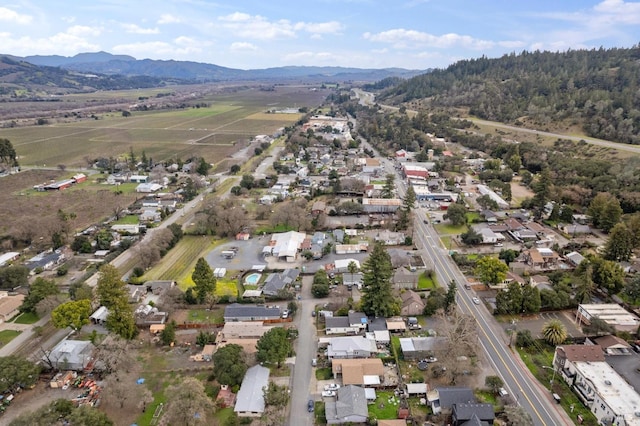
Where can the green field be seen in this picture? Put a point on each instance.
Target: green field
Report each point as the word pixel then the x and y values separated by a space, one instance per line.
pixel 212 132
pixel 179 263
pixel 8 335
pixel 26 318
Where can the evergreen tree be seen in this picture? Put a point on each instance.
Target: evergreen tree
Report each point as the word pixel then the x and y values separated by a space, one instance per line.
pixel 111 289
pixel 377 296
pixel 204 280
pixel 389 186
pixel 542 190
pixel 619 246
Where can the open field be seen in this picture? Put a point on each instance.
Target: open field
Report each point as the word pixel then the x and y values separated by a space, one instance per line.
pixel 179 263
pixel 213 132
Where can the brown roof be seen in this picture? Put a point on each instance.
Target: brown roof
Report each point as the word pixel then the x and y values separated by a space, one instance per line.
pixel 584 353
pixel 410 296
pixel 610 340
pixel 9 304
pixel 394 422
pixel 535 227
pixel 353 370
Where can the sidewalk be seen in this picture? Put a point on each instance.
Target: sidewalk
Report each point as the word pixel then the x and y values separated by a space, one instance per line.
pixel 18 341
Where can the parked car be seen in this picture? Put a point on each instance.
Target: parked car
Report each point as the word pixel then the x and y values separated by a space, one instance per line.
pixel 314 362
pixel 476 300
pixel 328 394
pixel 503 392
pixel 332 387
pixel 310 405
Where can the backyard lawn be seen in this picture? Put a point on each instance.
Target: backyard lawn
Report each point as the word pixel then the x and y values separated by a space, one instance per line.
pixel 426 283
pixel 214 316
pixel 385 407
pixel 8 335
pixel 26 318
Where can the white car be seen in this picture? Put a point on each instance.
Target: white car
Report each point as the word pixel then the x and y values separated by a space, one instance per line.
pixel 476 300
pixel 332 387
pixel 328 394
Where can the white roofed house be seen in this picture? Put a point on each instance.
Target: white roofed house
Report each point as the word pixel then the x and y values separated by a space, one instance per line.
pixel 342 265
pixel 351 347
pixel 71 355
pixel 286 246
pixel 250 400
pixel 614 315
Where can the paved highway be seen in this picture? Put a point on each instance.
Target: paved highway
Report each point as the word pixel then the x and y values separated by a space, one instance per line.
pixel 522 386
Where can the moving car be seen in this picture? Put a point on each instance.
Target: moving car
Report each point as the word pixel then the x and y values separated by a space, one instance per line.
pixel 310 406
pixel 476 300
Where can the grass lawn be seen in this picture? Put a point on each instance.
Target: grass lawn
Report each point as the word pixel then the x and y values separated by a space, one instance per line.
pixel 472 216
pixel 224 415
pixel 226 288
pixel 318 413
pixel 127 220
pixel 8 335
pixel 214 316
pixel 26 318
pixel 385 407
pixel 426 283
pixel 268 229
pixel 448 229
pixel 324 373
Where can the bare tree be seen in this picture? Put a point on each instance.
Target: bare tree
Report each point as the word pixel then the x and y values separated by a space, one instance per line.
pixel 461 334
pixel 123 393
pixel 228 218
pixel 62 167
pixel 293 214
pixel 48 304
pixel 116 354
pixel 188 403
pixel 171 299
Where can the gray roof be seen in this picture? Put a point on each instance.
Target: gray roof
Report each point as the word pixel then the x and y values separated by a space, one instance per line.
pixel 422 344
pixel 238 310
pixel 351 401
pixel 350 279
pixel 251 395
pixel 73 354
pixel 466 411
pixel 358 318
pixel 455 395
pixel 276 282
pixel 377 324
pixel 338 234
pixel 331 322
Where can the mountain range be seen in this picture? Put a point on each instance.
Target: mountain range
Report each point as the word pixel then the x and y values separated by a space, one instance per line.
pixel 108 64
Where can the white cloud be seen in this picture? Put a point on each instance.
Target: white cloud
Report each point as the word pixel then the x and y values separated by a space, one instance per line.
pixel 167 18
pixel 331 27
pixel 401 38
pixel 83 31
pixel 618 12
pixel 159 50
pixel 9 15
pixel 241 46
pixel 58 44
pixel 262 28
pixel 135 29
pixel 312 58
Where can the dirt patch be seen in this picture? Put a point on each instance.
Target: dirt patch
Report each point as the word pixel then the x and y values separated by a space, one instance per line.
pixel 32 399
pixel 519 192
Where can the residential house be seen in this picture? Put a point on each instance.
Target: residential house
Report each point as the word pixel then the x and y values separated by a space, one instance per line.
pixel 370 165
pixel 9 305
pixel 574 258
pixel 443 398
pixel 396 325
pixel 361 372
pixel 146 315
pixel 611 344
pixel 392 422
pixel 241 312
pixel 250 399
pixel 420 347
pixel 389 238
pixel 340 325
pixel 76 355
pixel 412 303
pixel 350 406
pixel 541 282
pixel 148 188
pixel 541 258
pixel 136 293
pixel 274 283
pixel 609 397
pixel 353 279
pixel 417 389
pixel 342 265
pixel 615 315
pixel 150 216
pixel 46 260
pixel 470 414
pixel 405 279
pixel 489 216
pixel 360 247
pixel 489 236
pixel 350 347
pixel 509 278
pixel 358 319
pixel 243 333
pixel 338 235
pixel 8 257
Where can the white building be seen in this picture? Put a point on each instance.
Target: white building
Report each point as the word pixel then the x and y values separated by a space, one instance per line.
pixel 485 190
pixel 611 313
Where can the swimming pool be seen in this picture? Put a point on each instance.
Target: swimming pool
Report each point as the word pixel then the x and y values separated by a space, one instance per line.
pixel 252 279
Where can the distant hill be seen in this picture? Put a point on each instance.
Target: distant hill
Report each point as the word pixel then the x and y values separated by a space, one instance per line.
pixel 19 78
pixel 106 63
pixel 597 89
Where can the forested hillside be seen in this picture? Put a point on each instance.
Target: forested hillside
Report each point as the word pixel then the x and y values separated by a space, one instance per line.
pixel 596 89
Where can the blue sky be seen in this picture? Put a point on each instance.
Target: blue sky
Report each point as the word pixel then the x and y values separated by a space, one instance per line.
pixel 416 34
